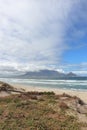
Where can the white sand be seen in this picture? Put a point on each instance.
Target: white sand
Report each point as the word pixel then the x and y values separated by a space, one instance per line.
pixel 80 94
pixel 4 94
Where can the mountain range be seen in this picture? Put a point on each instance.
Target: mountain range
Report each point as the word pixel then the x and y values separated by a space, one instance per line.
pixel 47 74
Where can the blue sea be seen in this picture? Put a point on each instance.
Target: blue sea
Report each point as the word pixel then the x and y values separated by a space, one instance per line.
pixel 78 83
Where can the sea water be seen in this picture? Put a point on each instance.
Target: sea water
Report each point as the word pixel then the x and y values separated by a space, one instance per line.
pixel 79 83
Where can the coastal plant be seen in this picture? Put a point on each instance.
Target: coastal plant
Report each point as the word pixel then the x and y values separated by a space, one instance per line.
pixel 20 112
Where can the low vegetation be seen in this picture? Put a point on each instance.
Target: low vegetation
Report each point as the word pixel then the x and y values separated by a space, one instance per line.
pixel 20 110
pixel 39 111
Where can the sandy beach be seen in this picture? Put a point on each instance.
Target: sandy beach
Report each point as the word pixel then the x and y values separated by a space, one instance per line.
pixel 80 94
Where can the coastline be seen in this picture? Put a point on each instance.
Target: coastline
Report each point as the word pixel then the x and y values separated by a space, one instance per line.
pixel 81 94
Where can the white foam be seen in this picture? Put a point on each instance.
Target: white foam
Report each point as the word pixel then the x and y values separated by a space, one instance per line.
pixel 68 84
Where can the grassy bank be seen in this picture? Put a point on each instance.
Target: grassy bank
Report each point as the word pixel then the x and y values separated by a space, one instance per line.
pixel 38 111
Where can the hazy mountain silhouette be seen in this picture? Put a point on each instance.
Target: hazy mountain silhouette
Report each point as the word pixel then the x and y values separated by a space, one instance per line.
pixel 47 74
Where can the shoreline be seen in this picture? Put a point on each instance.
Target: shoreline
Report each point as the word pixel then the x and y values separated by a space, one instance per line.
pixel 81 94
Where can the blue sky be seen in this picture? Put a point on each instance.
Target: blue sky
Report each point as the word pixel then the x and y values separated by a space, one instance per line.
pixel 49 34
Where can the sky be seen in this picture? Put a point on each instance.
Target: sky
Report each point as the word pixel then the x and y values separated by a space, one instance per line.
pixel 43 34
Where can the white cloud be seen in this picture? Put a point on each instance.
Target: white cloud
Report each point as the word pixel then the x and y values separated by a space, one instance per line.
pixel 32 33
pixel 79 69
pixel 80 72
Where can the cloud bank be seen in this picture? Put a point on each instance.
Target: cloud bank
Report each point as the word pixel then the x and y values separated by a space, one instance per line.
pixel 32 33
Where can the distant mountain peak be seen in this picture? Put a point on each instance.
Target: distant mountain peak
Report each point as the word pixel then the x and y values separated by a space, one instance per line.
pixel 71 74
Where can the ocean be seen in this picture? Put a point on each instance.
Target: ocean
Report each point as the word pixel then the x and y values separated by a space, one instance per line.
pixel 77 83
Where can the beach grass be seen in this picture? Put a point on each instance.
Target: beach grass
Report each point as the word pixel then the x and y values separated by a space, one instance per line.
pixel 36 111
